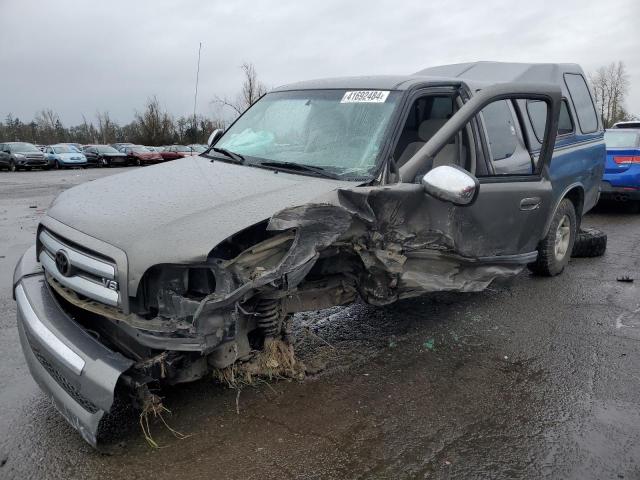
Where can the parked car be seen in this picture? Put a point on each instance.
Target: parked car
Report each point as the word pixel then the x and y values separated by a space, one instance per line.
pixel 16 156
pixel 139 155
pixel 621 179
pixel 173 152
pixel 457 177
pixel 105 156
pixel 64 156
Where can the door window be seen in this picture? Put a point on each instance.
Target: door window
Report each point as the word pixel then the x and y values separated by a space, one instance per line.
pixel 537 111
pixel 507 151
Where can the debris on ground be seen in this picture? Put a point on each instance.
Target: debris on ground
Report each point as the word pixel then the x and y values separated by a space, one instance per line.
pixel 152 406
pixel 625 279
pixel 276 360
pixel 33 206
pixel 429 344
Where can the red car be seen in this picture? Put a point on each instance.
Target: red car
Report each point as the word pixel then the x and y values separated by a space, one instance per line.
pixel 139 155
pixel 173 152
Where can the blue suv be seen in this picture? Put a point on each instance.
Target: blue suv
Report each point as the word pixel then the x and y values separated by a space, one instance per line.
pixel 621 180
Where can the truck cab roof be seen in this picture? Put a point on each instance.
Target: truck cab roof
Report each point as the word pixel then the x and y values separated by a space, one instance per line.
pixel 475 75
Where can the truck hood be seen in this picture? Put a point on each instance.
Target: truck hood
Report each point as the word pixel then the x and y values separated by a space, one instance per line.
pixel 176 212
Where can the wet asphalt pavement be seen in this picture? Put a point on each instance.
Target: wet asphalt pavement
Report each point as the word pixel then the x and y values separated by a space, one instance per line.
pixel 537 378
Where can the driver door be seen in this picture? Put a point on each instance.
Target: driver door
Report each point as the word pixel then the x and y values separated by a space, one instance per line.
pixel 514 198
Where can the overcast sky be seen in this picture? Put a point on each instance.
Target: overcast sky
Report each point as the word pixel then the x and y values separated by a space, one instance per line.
pixel 78 57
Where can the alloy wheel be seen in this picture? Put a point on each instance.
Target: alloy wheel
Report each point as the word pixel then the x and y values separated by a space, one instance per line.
pixel 563 237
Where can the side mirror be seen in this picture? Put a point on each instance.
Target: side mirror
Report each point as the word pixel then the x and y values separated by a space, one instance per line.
pixel 451 183
pixel 215 136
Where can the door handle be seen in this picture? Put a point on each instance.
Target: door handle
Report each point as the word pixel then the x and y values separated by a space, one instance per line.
pixel 530 203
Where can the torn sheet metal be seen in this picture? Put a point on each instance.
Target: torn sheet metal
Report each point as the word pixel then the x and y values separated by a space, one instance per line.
pixel 406 247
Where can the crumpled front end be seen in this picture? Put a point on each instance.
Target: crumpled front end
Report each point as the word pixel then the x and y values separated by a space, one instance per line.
pixel 185 321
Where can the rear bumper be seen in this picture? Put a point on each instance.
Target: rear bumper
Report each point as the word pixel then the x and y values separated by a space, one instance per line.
pixel 620 193
pixel 78 372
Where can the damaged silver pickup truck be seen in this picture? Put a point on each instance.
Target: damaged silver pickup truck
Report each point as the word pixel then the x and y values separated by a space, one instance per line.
pixel 323 192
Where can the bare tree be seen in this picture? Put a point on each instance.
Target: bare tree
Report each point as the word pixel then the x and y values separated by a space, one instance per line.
pixel 47 122
pixel 155 125
pixel 610 86
pixel 107 129
pixel 252 90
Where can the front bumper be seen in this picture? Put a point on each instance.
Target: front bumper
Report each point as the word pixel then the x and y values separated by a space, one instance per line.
pixel 73 368
pixel 29 162
pixel 74 163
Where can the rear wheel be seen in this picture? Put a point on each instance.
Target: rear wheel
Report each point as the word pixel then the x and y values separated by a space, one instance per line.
pixel 138 162
pixel 555 249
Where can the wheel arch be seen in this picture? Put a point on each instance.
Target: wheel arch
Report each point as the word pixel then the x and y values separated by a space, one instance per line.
pixel 575 193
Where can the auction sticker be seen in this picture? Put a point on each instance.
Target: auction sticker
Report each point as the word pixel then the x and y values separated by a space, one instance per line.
pixel 365 96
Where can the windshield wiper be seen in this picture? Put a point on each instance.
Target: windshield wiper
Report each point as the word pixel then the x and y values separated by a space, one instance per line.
pixel 236 157
pixel 300 166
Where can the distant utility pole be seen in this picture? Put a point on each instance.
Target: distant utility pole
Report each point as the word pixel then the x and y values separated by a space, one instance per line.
pixel 195 97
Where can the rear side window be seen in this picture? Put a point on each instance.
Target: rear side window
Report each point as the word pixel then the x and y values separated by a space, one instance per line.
pixel 581 98
pixel 537 111
pixel 500 130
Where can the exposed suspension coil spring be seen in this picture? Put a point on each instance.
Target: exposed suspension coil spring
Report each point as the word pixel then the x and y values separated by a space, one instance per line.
pixel 267 312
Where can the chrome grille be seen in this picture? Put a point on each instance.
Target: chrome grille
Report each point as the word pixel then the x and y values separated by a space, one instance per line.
pixel 87 275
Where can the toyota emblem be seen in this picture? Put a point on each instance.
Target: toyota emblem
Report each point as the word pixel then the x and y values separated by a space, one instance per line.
pixel 62 263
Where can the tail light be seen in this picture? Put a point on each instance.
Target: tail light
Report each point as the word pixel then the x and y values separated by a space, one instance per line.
pixel 622 160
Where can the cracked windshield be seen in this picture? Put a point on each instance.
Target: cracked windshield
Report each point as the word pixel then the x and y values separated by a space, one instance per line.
pixel 340 131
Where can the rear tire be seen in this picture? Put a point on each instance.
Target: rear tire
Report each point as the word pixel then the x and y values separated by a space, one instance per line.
pixel 555 249
pixel 590 242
